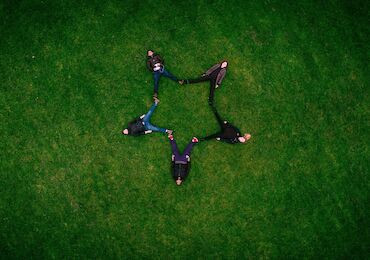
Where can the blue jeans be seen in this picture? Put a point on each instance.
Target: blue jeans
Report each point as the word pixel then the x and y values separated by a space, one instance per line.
pixel 146 120
pixel 157 75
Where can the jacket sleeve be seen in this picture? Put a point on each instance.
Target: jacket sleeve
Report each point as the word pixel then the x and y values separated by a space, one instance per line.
pixel 214 67
pixel 161 60
pixel 231 141
pixel 148 65
pixel 220 76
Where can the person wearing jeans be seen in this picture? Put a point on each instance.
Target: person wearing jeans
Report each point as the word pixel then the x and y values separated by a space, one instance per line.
pixel 229 133
pixel 142 125
pixel 214 75
pixel 181 161
pixel 156 65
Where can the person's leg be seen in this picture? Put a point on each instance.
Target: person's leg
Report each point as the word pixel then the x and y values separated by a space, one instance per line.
pixel 200 79
pixel 212 91
pixel 156 77
pixel 175 150
pixel 210 137
pixel 169 75
pixel 188 148
pixel 154 128
pixel 219 119
pixel 150 113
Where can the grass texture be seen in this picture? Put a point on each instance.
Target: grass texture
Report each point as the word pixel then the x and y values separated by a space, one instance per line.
pixel 73 75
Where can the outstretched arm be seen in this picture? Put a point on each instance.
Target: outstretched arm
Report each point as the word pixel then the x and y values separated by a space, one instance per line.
pixel 220 77
pixel 213 68
pixel 148 65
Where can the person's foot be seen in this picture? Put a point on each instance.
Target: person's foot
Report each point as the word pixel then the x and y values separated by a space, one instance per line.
pixel 195 140
pixel 181 82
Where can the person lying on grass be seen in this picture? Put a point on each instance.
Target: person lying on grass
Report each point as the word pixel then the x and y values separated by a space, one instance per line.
pixel 156 65
pixel 181 162
pixel 142 125
pixel 229 133
pixel 214 75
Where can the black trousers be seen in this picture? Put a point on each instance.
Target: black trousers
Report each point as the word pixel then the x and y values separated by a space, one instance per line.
pixel 212 79
pixel 222 124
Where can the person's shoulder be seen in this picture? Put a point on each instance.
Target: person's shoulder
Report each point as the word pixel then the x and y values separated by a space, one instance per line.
pixel 231 126
pixel 136 120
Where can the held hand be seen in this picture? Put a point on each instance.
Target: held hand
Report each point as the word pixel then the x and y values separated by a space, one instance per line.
pixel 156 100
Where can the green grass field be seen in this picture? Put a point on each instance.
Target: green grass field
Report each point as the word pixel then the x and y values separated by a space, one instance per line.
pixel 73 75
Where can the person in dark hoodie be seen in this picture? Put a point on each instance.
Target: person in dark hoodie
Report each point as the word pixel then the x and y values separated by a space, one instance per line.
pixel 155 64
pixel 142 125
pixel 228 133
pixel 181 162
pixel 214 75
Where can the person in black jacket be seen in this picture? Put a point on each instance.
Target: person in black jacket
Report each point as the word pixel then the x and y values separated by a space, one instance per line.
pixel 214 75
pixel 156 65
pixel 229 133
pixel 142 125
pixel 181 162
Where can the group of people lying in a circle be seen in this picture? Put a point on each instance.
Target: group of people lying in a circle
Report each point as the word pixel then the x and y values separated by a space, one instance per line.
pixel 141 125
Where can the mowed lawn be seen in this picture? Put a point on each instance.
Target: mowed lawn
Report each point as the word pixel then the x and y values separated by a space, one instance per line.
pixel 73 75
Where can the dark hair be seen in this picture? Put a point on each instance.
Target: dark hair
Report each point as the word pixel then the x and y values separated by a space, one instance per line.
pixel 180 170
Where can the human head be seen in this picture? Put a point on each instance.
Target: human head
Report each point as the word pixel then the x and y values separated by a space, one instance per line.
pixel 150 53
pixel 125 131
pixel 179 173
pixel 224 64
pixel 244 138
pixel 178 181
